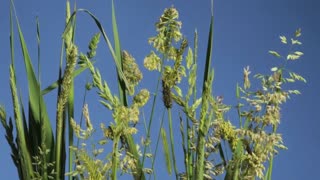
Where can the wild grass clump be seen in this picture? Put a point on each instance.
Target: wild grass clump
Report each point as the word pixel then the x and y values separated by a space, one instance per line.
pixel 206 132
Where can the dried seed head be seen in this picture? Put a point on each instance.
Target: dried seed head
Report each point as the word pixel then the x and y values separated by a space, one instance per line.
pixel 166 93
pixel 246 73
pixel 108 132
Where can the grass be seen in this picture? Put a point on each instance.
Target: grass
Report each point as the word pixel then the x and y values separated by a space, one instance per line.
pixel 207 135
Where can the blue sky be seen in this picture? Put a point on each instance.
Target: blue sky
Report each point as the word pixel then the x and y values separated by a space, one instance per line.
pixel 244 32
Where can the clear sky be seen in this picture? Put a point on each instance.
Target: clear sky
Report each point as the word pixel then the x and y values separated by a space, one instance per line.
pixel 244 32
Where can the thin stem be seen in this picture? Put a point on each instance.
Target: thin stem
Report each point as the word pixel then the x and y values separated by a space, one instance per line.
pixel 172 143
pixel 115 158
pixel 158 139
pixel 152 113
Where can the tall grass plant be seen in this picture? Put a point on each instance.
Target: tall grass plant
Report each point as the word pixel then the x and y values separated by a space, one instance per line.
pixel 206 133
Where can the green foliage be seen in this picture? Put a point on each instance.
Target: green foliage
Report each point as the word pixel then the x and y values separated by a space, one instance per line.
pixel 206 132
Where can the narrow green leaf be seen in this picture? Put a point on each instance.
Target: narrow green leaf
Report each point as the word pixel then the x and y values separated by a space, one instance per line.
pixel 9 128
pixel 38 42
pixel 208 57
pixel 36 101
pixel 206 88
pixel 172 144
pixel 166 150
pixel 269 171
pixel 25 163
pixel 232 172
pixel 238 91
pixel 70 108
pixel 183 144
pixel 121 85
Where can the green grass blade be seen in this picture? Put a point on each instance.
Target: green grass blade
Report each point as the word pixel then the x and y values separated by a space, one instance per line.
pixel 35 97
pixel 24 156
pixel 70 107
pixel 151 115
pixel 38 43
pixel 233 171
pixel 122 92
pixel 115 158
pixel 205 93
pixel 121 88
pixel 121 85
pixel 184 146
pixel 269 172
pixel 36 141
pixel 157 143
pixel 11 38
pixel 166 150
pixel 208 56
pixel 9 128
pixel 172 143
pixel 70 130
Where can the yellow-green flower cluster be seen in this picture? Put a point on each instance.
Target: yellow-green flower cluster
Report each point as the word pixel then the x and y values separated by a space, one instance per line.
pixel 272 115
pixel 141 98
pixel 172 76
pixel 128 163
pixel 256 166
pixel 225 130
pixel 122 114
pixel 260 146
pixel 72 54
pixel 93 46
pixel 87 166
pixel 168 29
pixel 131 70
pixel 79 132
pixel 152 62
